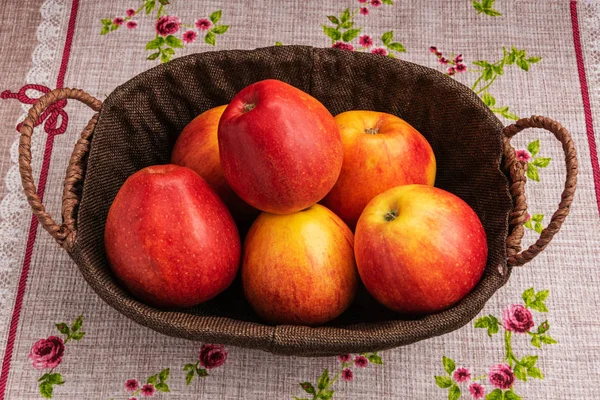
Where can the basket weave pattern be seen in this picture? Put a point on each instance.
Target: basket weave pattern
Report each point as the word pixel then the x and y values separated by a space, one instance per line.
pixel 138 124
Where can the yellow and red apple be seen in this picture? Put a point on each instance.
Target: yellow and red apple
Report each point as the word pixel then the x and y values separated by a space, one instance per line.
pixel 381 151
pixel 419 249
pixel 169 238
pixel 280 148
pixel 299 268
pixel 197 148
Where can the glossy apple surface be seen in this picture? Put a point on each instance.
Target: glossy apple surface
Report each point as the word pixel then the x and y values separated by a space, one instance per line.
pixel 169 239
pixel 381 151
pixel 280 148
pixel 299 268
pixel 419 249
pixel 197 148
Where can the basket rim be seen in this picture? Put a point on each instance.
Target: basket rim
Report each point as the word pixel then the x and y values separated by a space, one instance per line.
pixel 255 334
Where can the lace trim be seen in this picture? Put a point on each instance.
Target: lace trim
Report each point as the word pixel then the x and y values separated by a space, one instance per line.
pixel 589 20
pixel 15 215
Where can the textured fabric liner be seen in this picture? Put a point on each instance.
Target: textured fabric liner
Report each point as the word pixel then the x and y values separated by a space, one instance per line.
pixel 139 123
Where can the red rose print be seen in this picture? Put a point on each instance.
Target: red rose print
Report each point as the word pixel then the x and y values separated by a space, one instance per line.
pixel 47 353
pixel 203 24
pixel 167 25
pixel 517 319
pixel 501 376
pixel 189 36
pixel 212 355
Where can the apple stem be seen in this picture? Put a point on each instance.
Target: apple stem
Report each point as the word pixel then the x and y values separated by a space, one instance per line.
pixel 372 131
pixel 390 216
pixel 249 107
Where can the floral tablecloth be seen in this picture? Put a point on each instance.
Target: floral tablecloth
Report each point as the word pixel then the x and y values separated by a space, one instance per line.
pixel 537 338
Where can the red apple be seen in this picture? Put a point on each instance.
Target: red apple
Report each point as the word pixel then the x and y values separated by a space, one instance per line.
pixel 299 268
pixel 280 148
pixel 381 151
pixel 169 239
pixel 419 249
pixel 197 148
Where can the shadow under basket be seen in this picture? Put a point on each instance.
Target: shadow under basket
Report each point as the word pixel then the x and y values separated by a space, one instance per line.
pixel 139 122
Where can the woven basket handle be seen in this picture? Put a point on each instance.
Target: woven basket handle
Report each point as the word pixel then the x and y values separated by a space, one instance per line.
pixel 64 234
pixel 517 170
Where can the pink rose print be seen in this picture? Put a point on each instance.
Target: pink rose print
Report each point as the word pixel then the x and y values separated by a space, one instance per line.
pixel 163 46
pixel 154 383
pixel 347 374
pixel 365 41
pixel 489 72
pixel 535 162
pixel 167 25
pixel 132 398
pixel 517 318
pixel 343 46
pixel 501 376
pixel 147 390
pixel 323 389
pixel 455 63
pixel 461 375
pixel 523 155
pixel 203 24
pixel 344 31
pixel 212 355
pixel 361 361
pixel 47 353
pixel 477 391
pixel 380 51
pixel 189 36
pixel 131 385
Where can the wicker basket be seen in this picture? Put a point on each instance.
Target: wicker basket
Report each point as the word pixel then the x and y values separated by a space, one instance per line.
pixel 139 122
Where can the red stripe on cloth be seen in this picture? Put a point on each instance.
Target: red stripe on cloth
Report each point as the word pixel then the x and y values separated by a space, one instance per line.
pixel 587 109
pixel 69 40
pixel 14 323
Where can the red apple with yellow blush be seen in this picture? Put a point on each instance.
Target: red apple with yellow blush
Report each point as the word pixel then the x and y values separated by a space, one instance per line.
pixel 419 249
pixel 280 148
pixel 299 268
pixel 197 148
pixel 381 151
